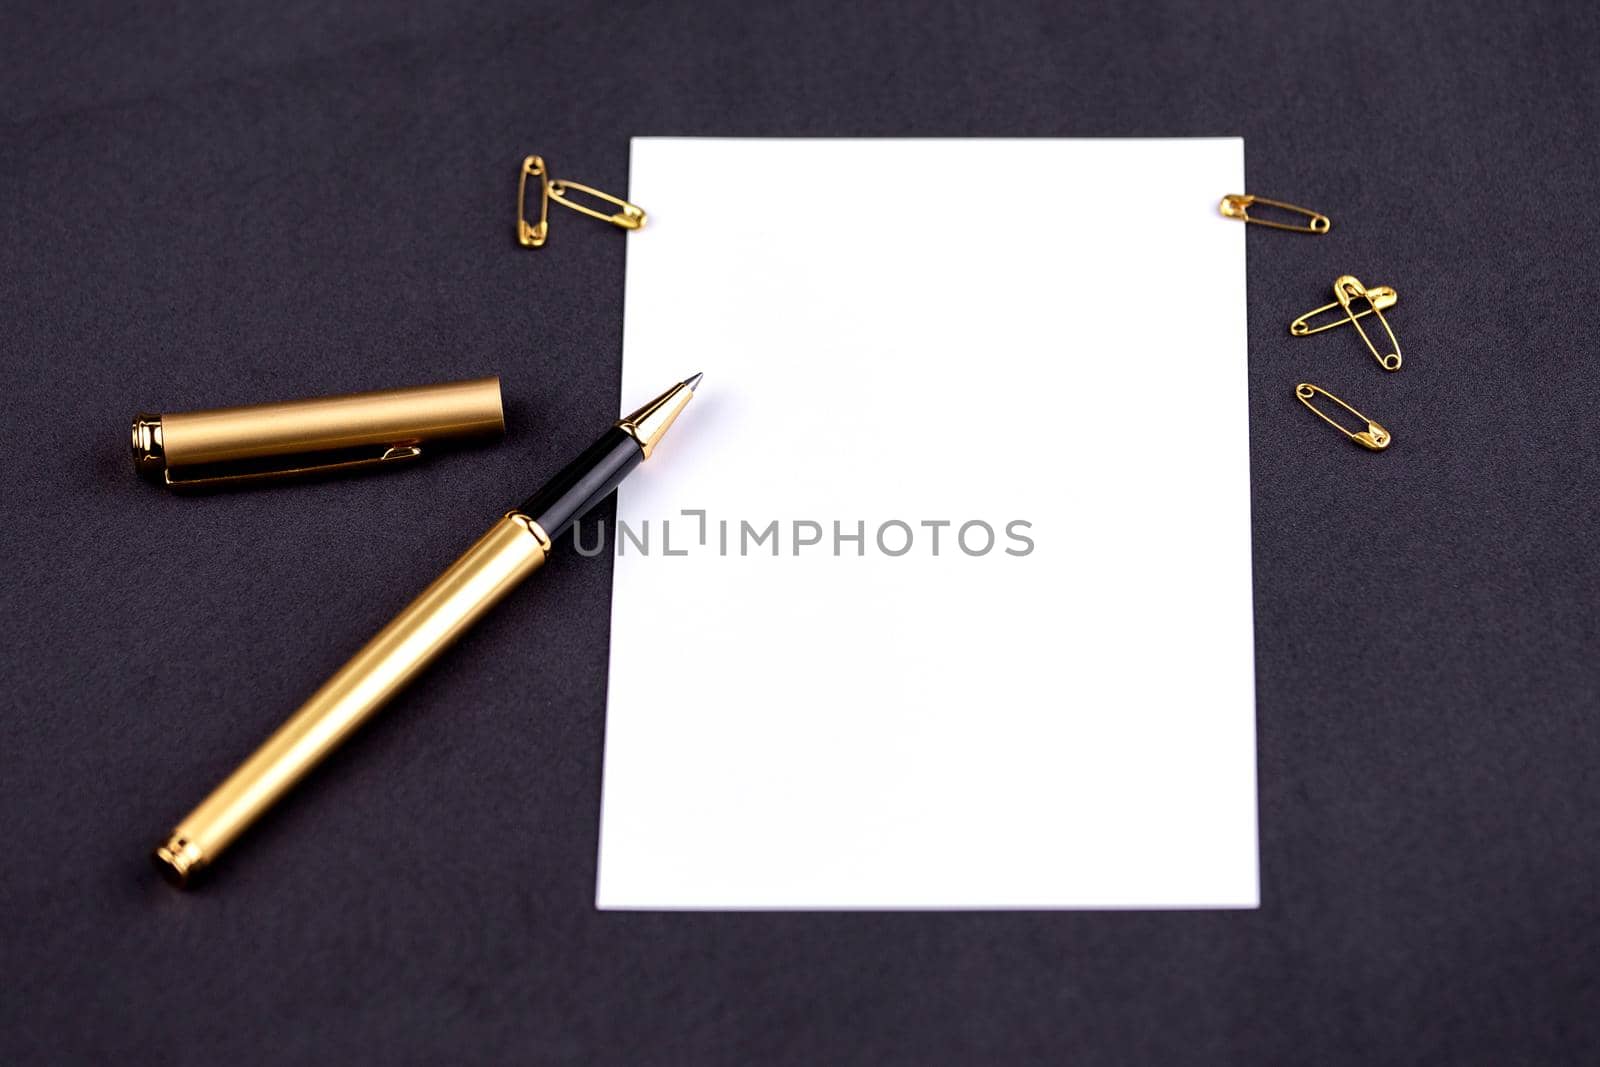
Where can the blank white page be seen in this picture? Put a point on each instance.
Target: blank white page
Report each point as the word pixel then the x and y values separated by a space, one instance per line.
pixel 897 334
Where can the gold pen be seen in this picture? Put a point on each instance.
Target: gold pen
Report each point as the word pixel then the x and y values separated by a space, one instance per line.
pixel 512 549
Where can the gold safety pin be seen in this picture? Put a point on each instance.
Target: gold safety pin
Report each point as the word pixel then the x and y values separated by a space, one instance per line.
pixel 533 235
pixel 1382 296
pixel 631 217
pixel 1349 289
pixel 1237 206
pixel 1374 437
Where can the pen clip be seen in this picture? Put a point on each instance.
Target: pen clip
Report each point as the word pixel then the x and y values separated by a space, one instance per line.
pixel 219 476
pixel 1374 437
pixel 1349 289
pixel 1382 298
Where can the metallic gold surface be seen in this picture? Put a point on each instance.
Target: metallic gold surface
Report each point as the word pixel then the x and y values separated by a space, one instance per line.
pixel 511 550
pixel 320 434
pixel 651 422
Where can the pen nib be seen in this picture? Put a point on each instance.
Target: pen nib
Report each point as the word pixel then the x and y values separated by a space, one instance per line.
pixel 693 381
pixel 650 423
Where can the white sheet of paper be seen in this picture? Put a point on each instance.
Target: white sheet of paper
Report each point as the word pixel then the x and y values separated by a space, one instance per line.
pixel 1039 331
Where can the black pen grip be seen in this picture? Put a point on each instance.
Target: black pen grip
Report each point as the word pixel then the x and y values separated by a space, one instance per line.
pixel 584 482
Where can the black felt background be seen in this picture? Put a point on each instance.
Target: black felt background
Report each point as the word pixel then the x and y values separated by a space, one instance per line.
pixel 204 206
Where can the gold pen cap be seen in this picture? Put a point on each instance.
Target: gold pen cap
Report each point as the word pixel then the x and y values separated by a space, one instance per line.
pixel 222 447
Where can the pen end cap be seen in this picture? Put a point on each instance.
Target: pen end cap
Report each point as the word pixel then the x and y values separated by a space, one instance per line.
pixel 149 455
pixel 177 860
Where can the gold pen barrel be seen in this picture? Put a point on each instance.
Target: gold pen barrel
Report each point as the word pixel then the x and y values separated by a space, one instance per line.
pixel 511 550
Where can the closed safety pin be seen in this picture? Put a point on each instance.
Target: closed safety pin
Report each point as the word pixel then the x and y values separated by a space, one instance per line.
pixel 533 235
pixel 1382 297
pixel 1374 437
pixel 1237 206
pixel 1349 289
pixel 631 217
